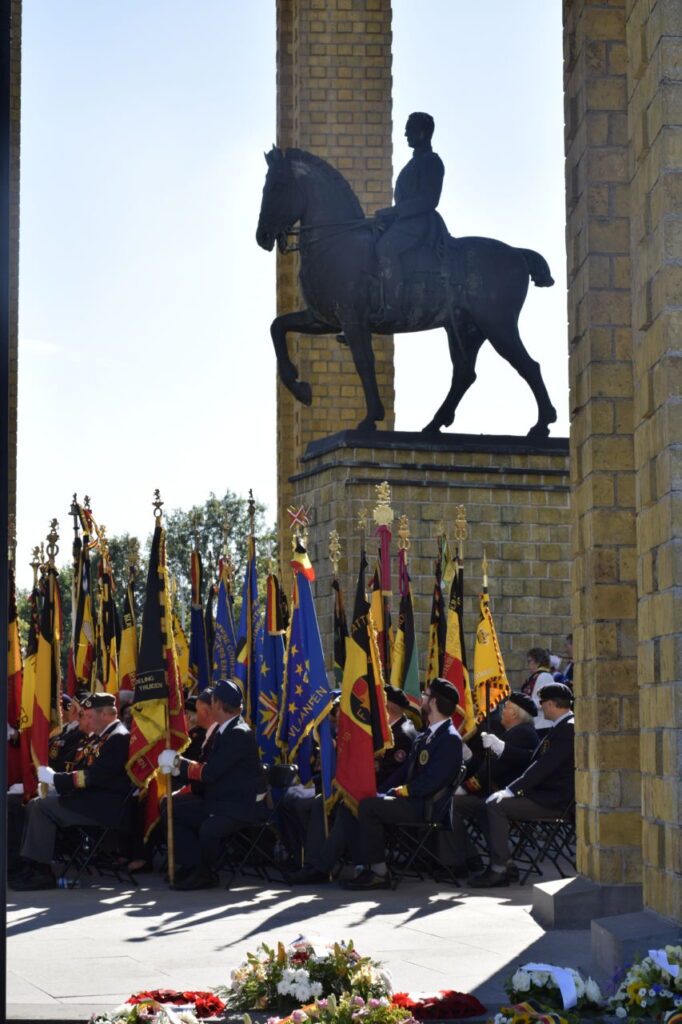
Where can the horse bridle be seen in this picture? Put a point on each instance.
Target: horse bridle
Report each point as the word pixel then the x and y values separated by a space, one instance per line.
pixel 343 227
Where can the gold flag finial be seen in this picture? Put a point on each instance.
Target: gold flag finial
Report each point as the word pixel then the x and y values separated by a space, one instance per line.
pixel 461 528
pixel 485 570
pixel 383 513
pixel 52 546
pixel 404 534
pixel 196 519
pixel 334 550
pixel 157 503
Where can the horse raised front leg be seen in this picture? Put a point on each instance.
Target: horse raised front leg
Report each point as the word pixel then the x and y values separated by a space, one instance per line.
pixel 359 341
pixel 304 322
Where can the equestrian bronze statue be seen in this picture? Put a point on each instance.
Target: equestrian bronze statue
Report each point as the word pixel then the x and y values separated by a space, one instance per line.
pixel 396 273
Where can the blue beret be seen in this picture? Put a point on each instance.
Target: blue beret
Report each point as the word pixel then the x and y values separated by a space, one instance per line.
pixel 228 691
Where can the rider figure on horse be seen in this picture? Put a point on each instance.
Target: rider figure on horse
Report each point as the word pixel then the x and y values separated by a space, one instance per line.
pixel 412 220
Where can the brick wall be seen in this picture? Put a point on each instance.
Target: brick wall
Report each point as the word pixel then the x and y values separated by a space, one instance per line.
pixel 602 451
pixel 654 85
pixel 333 99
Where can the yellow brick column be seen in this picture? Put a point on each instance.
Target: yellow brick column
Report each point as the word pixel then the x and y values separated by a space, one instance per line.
pixel 601 443
pixel 654 37
pixel 333 99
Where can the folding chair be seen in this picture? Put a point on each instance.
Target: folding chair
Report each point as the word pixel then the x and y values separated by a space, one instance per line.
pixel 97 848
pixel 252 850
pixel 534 841
pixel 412 847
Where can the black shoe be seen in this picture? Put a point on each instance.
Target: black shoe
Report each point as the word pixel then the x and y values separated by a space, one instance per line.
pixel 199 879
pixel 180 874
pixel 368 880
pixel 489 880
pixel 475 865
pixel 40 877
pixel 512 872
pixel 307 875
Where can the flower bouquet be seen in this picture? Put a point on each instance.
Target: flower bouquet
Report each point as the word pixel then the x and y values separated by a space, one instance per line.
pixel 554 988
pixel 163 1006
pixel 347 1009
pixel 442 1005
pixel 285 978
pixel 651 988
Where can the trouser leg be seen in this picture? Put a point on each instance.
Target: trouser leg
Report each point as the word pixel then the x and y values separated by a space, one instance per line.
pixel 43 817
pixel 211 833
pixel 189 812
pixel 499 816
pixel 374 814
pixel 342 836
pixel 464 806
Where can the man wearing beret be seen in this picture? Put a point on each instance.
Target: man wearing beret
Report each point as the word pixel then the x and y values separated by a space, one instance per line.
pixel 547 786
pixel 419 791
pixel 93 795
pixel 64 745
pixel 504 759
pixel 232 781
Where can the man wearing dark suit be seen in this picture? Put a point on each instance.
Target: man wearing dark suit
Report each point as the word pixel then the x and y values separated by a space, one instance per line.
pixel 232 780
pixel 64 745
pixel 419 791
pixel 503 760
pixel 546 787
pixel 92 795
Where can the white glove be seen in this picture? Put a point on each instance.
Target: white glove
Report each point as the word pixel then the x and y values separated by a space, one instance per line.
pixel 502 794
pixel 466 753
pixel 11 733
pixel 492 742
pixel 16 788
pixel 460 791
pixel 168 762
pixel 46 775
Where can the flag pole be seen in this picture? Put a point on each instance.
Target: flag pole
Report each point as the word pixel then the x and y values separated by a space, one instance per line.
pixel 489 761
pixel 383 517
pixel 170 838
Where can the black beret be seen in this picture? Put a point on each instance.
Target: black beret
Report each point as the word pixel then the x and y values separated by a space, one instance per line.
pixel 229 691
pixel 523 701
pixel 66 701
pixel 556 691
pixel 190 703
pixel 396 696
pixel 97 701
pixel 444 688
pixel 81 695
pixel 205 696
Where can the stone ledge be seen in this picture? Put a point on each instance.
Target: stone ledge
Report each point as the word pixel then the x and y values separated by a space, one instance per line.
pixel 575 902
pixel 617 941
pixel 416 441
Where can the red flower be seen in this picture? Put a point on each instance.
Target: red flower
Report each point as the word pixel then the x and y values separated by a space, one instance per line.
pixel 446 1005
pixel 206 1004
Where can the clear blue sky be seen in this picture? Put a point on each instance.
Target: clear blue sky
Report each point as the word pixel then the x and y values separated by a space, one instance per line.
pixel 145 303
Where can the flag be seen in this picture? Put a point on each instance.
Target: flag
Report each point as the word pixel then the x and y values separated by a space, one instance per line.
pixel 14 682
pixel 225 645
pixel 438 622
pixel 306 695
pixel 405 667
pixel 158 717
pixel 363 732
pixel 47 712
pixel 340 632
pixel 181 652
pixel 82 650
pixel 108 629
pixel 245 669
pixel 381 600
pixel 198 651
pixel 28 773
pixel 454 660
pixel 127 655
pixel 490 679
pixel 270 662
pixel 209 627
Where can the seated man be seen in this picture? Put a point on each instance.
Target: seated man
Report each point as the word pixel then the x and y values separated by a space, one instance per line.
pixel 546 787
pixel 419 791
pixel 232 780
pixel 93 795
pixel 202 725
pixel 64 745
pixel 322 853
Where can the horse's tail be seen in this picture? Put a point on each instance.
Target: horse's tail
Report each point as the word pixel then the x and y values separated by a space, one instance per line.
pixel 538 268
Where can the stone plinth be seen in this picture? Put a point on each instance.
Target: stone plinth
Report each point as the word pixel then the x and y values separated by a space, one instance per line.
pixel 516 495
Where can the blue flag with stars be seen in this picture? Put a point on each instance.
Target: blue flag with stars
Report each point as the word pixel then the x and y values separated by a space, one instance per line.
pixel 306 697
pixel 246 669
pixel 270 668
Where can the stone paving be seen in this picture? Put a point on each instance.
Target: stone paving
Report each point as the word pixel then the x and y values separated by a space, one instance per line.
pixel 74 951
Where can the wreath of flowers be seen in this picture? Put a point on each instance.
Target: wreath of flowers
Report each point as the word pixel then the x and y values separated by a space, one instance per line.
pixel 206 1004
pixel 531 983
pixel 651 988
pixel 285 978
pixel 347 1009
pixel 443 1005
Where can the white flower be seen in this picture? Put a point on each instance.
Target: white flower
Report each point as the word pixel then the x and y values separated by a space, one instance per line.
pixel 316 988
pixel 621 1011
pixel 521 981
pixel 642 992
pixel 592 991
pixel 643 1003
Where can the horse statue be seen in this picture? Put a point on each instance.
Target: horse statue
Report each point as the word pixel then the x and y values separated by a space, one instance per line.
pixel 473 287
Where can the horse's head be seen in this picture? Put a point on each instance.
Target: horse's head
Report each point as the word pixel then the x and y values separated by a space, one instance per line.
pixel 282 203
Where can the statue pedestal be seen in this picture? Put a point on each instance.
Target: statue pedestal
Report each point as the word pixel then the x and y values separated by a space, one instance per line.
pixel 515 491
